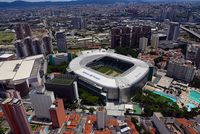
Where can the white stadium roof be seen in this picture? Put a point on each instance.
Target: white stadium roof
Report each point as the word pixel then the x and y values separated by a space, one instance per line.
pixel 124 80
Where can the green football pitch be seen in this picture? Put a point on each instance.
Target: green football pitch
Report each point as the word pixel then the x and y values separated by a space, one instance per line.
pixel 110 71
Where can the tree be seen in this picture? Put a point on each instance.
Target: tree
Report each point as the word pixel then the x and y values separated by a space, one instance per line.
pixel 179 92
pixel 91 110
pixel 127 51
pixel 158 59
pixel 134 120
pixel 196 82
pixel 1 131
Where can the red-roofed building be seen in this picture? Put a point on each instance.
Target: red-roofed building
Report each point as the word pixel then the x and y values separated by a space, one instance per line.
pixel 89 124
pixel 132 126
pixel 112 123
pixel 57 113
pixel 103 132
pixel 186 126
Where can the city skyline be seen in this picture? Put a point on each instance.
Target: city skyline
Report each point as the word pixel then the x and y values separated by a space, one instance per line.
pixel 100 66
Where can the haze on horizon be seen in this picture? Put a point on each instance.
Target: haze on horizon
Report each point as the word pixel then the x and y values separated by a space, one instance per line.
pixel 75 0
pixel 32 0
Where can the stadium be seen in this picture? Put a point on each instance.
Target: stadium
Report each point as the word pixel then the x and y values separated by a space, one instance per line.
pixel 114 76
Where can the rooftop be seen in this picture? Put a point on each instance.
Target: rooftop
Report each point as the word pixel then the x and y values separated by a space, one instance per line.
pixel 61 81
pixel 5 56
pixel 17 69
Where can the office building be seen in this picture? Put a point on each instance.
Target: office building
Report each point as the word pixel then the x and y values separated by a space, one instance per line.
pixel 47 44
pixel 160 125
pixel 41 101
pixel 21 49
pixel 115 37
pixel 64 86
pixel 15 114
pixel 37 47
pixel 19 31
pixel 61 42
pixel 59 58
pixel 154 41
pixel 101 117
pixel 143 43
pixel 78 23
pixel 21 75
pixel 27 30
pixel 57 113
pixel 180 70
pixel 173 31
pixel 29 45
pixel 126 37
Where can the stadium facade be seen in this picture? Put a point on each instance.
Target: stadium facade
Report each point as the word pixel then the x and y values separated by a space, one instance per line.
pixel 111 75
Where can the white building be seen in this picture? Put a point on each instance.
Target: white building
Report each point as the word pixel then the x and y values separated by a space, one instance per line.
pixel 157 120
pixel 154 41
pixel 101 117
pixel 21 74
pixel 143 43
pixel 181 71
pixel 41 101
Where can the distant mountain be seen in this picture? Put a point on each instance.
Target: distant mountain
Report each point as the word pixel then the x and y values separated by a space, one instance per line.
pixel 25 4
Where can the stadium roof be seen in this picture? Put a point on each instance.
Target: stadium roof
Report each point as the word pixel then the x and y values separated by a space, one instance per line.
pixel 124 80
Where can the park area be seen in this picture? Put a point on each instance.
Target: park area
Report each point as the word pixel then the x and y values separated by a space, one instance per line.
pixel 6 38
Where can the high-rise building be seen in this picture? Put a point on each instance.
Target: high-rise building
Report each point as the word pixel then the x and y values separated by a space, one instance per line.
pixel 57 113
pixel 41 101
pixel 115 37
pixel 21 49
pixel 37 47
pixel 173 31
pixel 13 94
pixel 19 31
pixel 61 42
pixel 47 44
pixel 197 59
pixel 101 117
pixel 29 45
pixel 154 41
pixel 180 70
pixel 78 23
pixel 136 34
pixel 146 32
pixel 15 114
pixel 126 37
pixel 27 30
pixel 192 51
pixel 143 43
